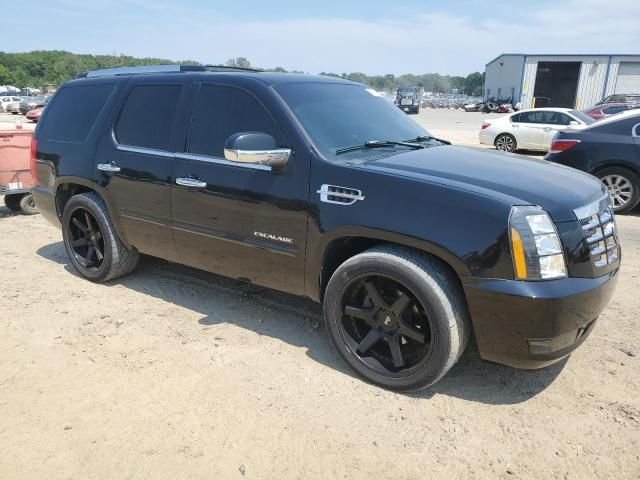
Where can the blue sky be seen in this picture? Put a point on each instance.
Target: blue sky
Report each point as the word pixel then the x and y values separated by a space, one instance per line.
pixel 374 37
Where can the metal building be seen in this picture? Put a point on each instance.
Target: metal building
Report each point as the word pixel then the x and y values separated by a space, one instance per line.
pixel 572 81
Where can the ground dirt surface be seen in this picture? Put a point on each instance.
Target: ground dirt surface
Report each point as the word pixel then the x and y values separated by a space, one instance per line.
pixel 173 373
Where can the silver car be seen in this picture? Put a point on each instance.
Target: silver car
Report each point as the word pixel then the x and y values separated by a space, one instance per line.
pixel 7 100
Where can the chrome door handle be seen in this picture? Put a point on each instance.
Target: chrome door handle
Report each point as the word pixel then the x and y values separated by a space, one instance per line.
pixel 108 167
pixel 191 182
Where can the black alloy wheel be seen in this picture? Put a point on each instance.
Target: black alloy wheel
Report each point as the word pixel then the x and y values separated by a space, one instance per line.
pixel 86 239
pixel 384 325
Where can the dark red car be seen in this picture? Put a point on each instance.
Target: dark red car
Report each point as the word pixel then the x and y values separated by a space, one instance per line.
pixel 608 109
pixel 34 115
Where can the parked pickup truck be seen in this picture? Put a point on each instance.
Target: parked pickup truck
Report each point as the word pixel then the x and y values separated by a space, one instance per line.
pixel 315 186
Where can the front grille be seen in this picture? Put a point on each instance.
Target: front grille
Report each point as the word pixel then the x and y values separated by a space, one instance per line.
pixel 599 228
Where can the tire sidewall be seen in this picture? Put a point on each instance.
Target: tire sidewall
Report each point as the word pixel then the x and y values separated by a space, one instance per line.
pixel 84 202
pixel 12 201
pixel 27 205
pixel 433 364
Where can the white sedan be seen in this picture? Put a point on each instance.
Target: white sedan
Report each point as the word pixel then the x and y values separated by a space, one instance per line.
pixel 531 129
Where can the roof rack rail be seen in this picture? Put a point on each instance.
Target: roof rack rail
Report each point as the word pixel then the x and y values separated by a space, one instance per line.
pixel 229 67
pixel 143 69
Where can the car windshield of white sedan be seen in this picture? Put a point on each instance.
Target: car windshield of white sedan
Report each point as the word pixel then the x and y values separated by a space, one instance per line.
pixel 337 115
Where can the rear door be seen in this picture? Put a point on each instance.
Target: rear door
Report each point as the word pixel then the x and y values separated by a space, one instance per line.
pixel 136 162
pixel 243 221
pixel 553 123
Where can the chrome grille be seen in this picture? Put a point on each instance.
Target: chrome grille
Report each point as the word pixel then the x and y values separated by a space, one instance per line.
pixel 599 228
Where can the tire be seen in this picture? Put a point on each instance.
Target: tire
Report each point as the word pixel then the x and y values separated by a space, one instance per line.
pixel 117 260
pixel 623 187
pixel 28 205
pixel 506 143
pixel 13 202
pixel 435 298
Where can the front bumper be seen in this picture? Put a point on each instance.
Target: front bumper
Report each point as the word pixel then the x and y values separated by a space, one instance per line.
pixel 534 324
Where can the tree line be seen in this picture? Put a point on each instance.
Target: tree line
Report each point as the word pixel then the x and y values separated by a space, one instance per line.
pixel 41 67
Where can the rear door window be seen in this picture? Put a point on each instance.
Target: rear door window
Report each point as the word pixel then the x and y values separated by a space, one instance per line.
pixel 220 112
pixel 556 118
pixel 73 112
pixel 147 117
pixel 532 117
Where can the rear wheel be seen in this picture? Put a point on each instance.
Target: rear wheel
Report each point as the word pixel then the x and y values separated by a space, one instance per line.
pixel 91 241
pixel 28 205
pixel 623 186
pixel 506 143
pixel 13 202
pixel 397 317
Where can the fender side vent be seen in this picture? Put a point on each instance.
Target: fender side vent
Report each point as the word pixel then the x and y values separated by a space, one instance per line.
pixel 339 195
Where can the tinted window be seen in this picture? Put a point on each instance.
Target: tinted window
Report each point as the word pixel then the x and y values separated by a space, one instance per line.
pixel 532 117
pixel 342 115
pixel 515 118
pixel 146 119
pixel 613 110
pixel 220 112
pixel 73 112
pixel 556 118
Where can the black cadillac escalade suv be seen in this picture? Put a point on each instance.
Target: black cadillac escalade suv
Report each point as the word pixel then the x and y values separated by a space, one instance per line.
pixel 318 187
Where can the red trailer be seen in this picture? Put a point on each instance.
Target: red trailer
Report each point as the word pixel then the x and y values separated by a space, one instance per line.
pixel 15 174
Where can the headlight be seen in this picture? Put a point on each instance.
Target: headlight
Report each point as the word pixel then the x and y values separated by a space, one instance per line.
pixel 535 245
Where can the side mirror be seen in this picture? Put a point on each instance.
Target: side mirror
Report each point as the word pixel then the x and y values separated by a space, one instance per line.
pixel 573 123
pixel 257 148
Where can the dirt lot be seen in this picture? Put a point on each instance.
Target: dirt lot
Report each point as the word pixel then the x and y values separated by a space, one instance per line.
pixel 176 373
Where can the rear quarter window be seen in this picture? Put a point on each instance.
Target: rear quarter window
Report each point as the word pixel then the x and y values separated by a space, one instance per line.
pixel 72 113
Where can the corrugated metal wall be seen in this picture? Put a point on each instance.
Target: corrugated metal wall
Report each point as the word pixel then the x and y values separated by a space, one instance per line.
pixel 613 73
pixel 590 82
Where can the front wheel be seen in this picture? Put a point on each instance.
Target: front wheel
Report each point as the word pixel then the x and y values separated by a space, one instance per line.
pixel 397 317
pixel 623 187
pixel 506 143
pixel 91 242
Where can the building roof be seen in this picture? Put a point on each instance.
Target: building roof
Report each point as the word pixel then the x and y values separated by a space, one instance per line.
pixel 563 55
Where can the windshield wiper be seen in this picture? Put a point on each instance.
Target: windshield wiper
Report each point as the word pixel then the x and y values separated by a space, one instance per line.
pixel 378 144
pixel 424 138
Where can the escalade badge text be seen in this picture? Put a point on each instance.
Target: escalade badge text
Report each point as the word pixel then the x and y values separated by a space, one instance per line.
pixel 276 238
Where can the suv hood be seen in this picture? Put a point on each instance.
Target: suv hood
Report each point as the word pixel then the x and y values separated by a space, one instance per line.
pixel 515 179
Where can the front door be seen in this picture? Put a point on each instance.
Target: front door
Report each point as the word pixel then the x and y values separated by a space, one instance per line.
pixel 137 162
pixel 243 221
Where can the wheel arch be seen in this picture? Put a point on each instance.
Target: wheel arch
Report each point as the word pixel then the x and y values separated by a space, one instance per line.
pixel 339 248
pixel 615 164
pixel 67 187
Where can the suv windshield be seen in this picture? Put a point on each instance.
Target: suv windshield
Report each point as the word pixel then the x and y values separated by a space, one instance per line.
pixel 337 115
